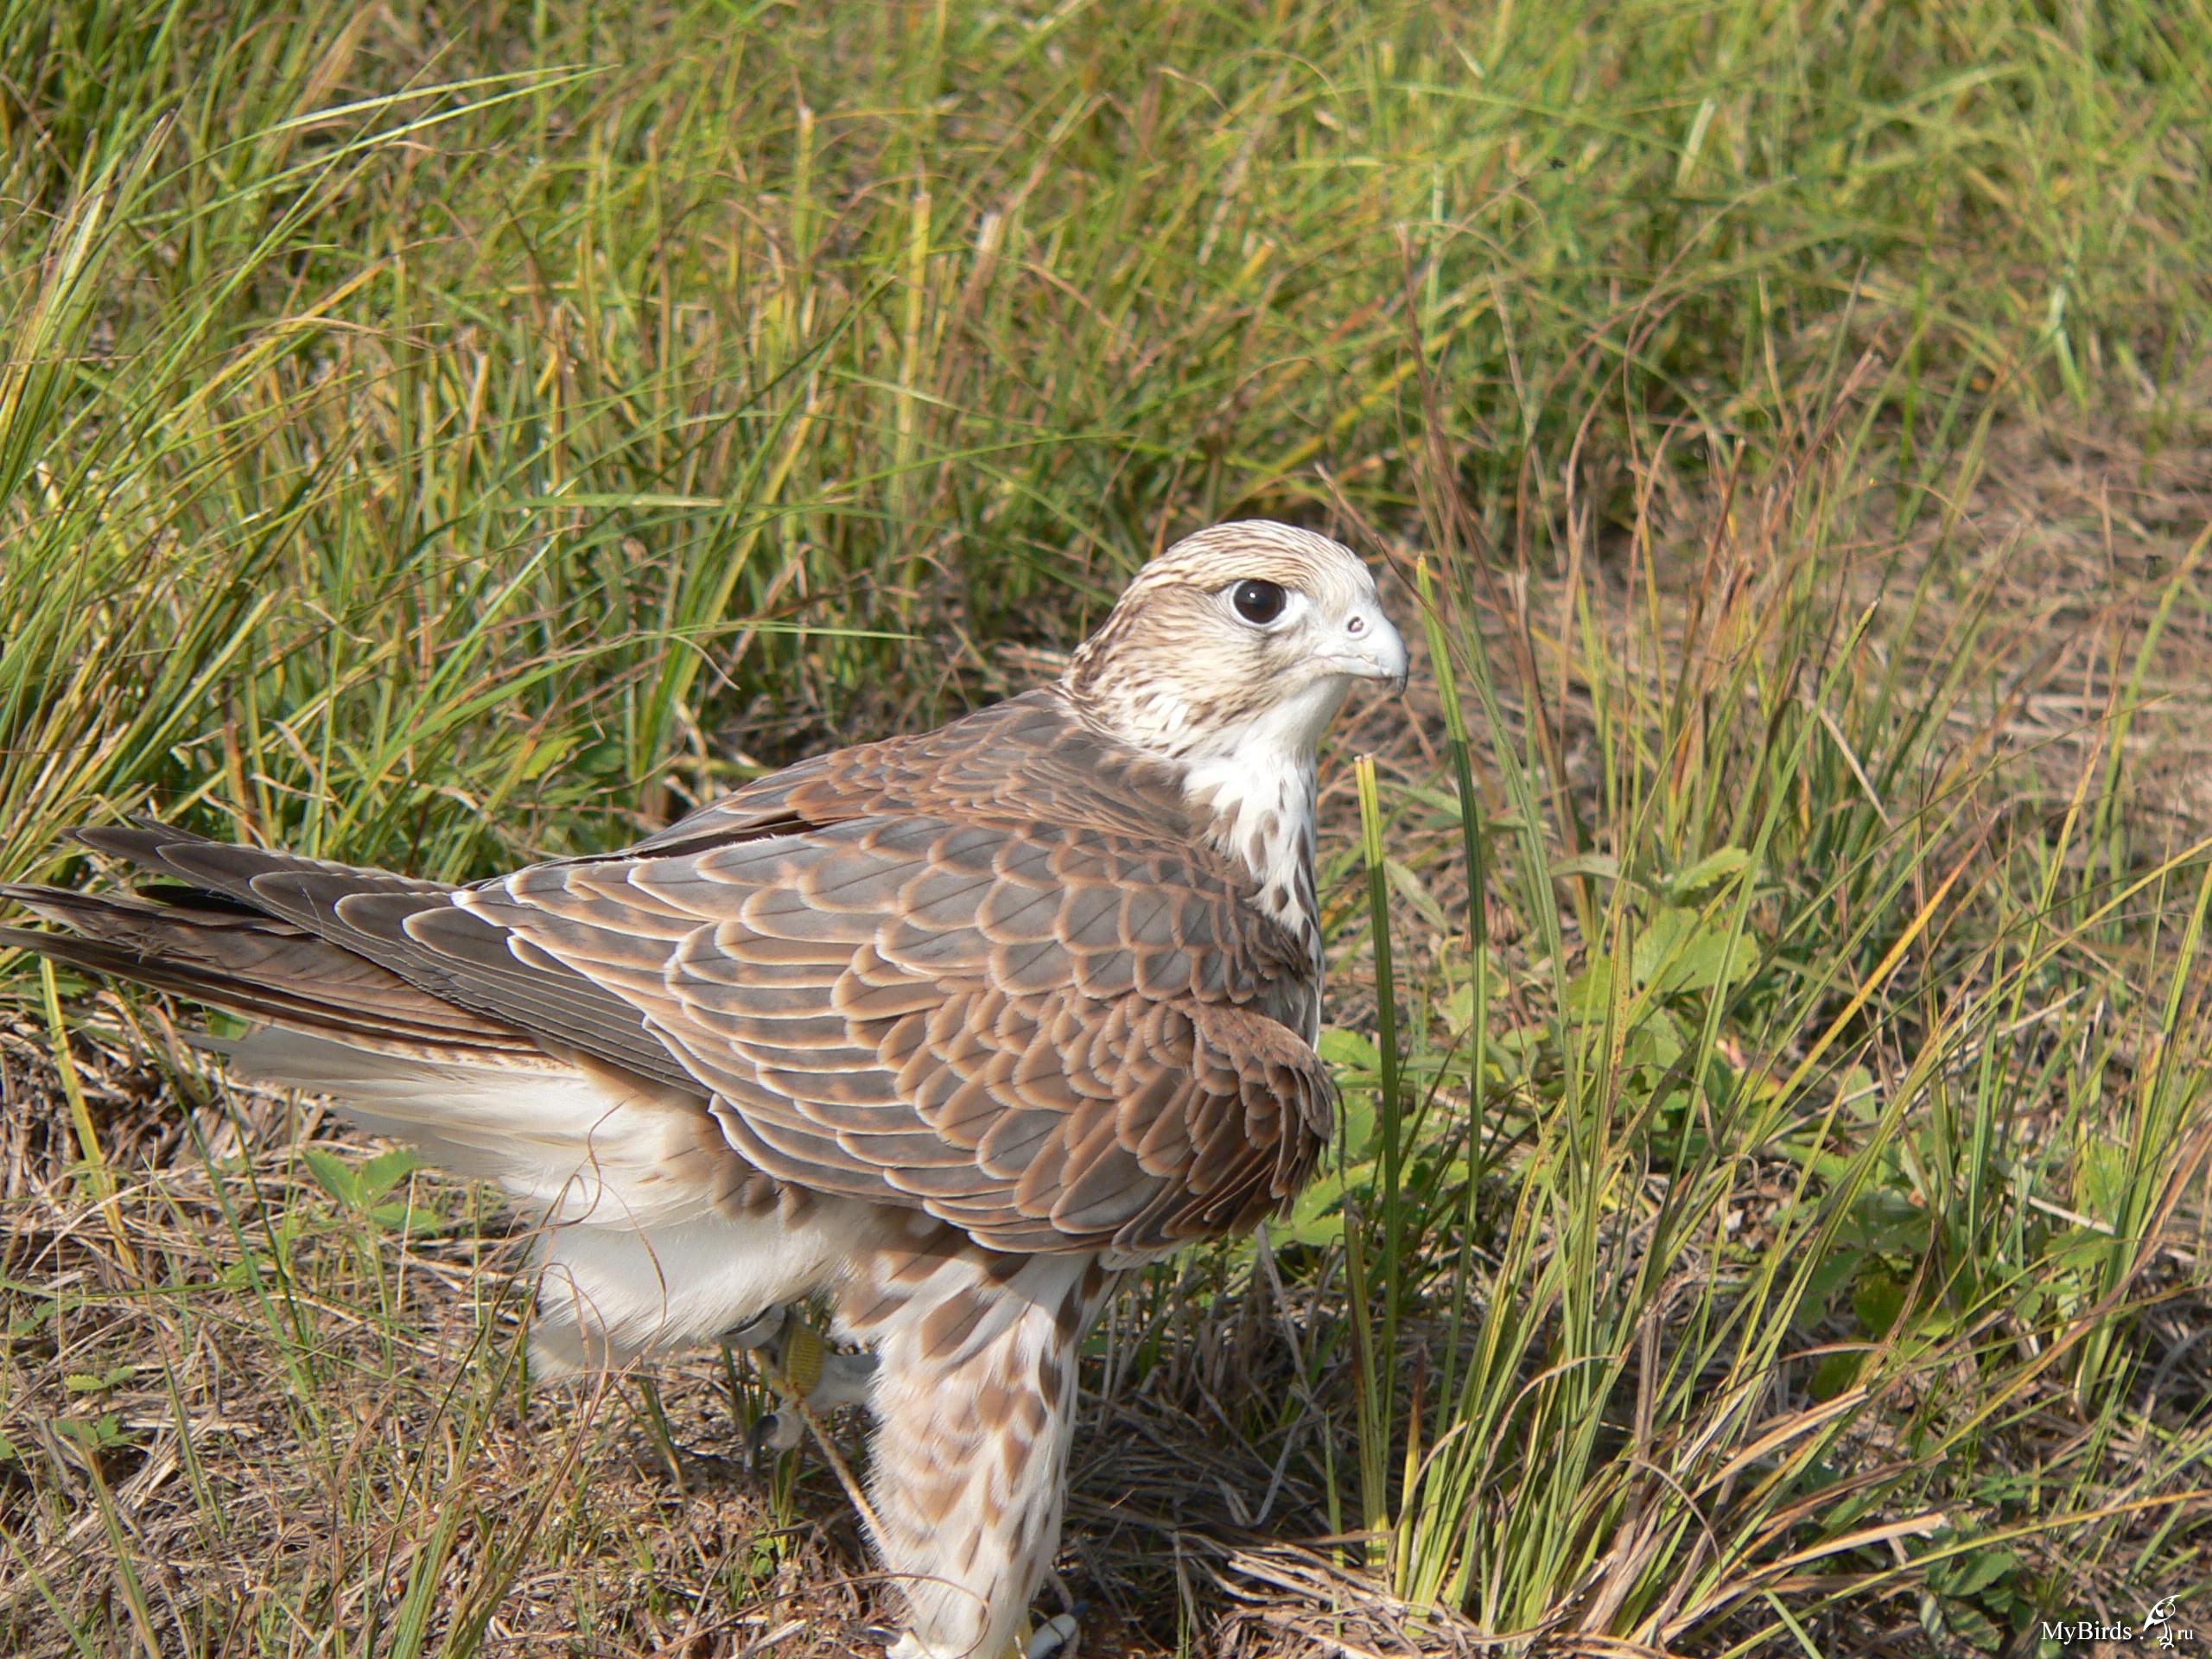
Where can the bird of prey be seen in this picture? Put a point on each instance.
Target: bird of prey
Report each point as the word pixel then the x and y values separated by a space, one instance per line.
pixel 951 1030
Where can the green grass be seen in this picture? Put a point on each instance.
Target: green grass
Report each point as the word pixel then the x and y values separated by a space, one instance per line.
pixel 1771 1216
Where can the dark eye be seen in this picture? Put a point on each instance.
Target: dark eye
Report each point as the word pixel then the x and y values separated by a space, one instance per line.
pixel 1258 602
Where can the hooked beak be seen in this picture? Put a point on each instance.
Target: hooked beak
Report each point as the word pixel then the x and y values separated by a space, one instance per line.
pixel 1370 650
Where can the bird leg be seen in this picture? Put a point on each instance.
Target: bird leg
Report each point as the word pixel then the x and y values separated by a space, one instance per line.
pixel 807 1378
pixel 974 1397
pixel 1054 1639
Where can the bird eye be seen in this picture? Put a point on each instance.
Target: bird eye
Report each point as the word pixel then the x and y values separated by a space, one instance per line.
pixel 1259 602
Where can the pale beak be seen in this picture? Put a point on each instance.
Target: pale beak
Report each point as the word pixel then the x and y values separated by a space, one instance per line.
pixel 1370 650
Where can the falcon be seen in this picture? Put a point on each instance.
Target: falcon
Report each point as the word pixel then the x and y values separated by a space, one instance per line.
pixel 952 1031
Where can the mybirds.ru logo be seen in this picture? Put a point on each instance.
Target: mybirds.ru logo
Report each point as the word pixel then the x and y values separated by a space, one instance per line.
pixel 2161 1627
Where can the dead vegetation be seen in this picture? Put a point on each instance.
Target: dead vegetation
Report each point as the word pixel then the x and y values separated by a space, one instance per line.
pixel 254 1402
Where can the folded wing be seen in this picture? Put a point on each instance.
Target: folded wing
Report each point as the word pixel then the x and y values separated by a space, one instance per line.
pixel 974 973
pixel 1053 1038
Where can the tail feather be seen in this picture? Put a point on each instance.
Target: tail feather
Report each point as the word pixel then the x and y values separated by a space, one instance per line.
pixel 403 926
pixel 655 1235
pixel 213 950
pixel 217 867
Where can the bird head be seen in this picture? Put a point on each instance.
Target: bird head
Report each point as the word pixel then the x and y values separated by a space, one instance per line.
pixel 1236 641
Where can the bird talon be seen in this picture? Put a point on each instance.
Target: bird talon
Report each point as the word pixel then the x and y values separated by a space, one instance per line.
pixel 757 1332
pixel 777 1432
pixel 809 1379
pixel 1057 1637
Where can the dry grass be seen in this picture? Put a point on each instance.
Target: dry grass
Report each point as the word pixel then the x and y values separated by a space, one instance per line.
pixel 257 1350
pixel 484 430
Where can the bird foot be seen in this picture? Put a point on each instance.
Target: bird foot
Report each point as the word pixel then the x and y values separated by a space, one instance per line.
pixel 1056 1638
pixel 808 1375
pixel 757 1332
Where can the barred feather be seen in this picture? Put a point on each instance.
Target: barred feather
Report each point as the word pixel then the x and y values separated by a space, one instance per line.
pixel 953 1026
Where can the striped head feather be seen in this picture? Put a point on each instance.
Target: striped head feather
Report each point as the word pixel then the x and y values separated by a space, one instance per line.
pixel 1227 657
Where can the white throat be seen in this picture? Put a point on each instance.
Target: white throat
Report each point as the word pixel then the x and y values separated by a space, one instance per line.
pixel 1253 783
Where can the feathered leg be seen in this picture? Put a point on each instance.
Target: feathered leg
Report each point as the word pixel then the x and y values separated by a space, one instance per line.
pixel 974 1399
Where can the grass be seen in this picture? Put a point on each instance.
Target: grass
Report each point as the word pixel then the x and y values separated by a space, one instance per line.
pixel 1767 970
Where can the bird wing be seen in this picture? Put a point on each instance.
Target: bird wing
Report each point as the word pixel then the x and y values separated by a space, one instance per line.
pixel 982 972
pixel 1052 1036
pixel 1031 758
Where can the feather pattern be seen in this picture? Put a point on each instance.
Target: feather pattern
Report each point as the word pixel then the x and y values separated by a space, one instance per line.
pixel 953 1027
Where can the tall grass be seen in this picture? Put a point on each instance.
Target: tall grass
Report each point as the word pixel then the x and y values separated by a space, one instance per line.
pixel 1863 1086
pixel 437 438
pixel 527 404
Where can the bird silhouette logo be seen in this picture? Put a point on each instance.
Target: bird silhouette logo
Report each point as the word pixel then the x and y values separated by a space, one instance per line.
pixel 2159 1622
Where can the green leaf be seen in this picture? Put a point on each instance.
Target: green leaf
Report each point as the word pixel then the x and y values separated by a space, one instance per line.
pixel 2077 1253
pixel 1590 991
pixel 93 1382
pixel 2100 1179
pixel 1973 1626
pixel 1834 1271
pixel 1656 1042
pixel 1409 887
pixel 545 753
pixel 97 1435
pixel 1678 951
pixel 1878 1300
pixel 1835 1372
pixel 1973 1573
pixel 1458 1008
pixel 1312 1219
pixel 1663 938
pixel 1356 1111
pixel 1349 1051
pixel 384 1172
pixel 1707 870
pixel 1598 864
pixel 1862 1097
pixel 1712 961
pixel 332 1176
pixel 1886 1222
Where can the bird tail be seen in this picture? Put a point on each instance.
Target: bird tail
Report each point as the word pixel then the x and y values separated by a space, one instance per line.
pixel 656 1237
pixel 220 950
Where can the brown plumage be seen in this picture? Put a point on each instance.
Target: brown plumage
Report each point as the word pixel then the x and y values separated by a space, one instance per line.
pixel 955 1027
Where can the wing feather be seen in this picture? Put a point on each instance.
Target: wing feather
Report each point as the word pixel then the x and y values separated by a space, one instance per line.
pixel 988 972
pixel 1052 1036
